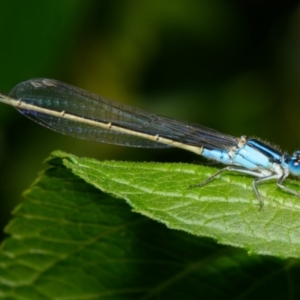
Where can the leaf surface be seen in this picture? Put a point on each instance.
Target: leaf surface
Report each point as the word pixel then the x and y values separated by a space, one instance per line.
pixel 226 209
pixel 68 240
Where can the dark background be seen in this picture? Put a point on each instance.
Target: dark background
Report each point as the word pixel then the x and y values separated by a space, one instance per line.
pixel 230 65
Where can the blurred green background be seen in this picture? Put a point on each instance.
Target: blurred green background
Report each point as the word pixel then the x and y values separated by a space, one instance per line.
pixel 230 65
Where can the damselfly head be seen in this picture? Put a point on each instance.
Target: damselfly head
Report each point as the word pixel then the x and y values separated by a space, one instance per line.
pixel 294 164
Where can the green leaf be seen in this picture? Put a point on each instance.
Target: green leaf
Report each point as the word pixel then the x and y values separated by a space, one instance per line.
pixel 69 240
pixel 226 209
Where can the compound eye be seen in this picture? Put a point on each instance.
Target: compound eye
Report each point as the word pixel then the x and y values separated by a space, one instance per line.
pixel 294 164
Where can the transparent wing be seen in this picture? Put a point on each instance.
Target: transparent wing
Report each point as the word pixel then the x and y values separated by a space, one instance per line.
pixel 63 98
